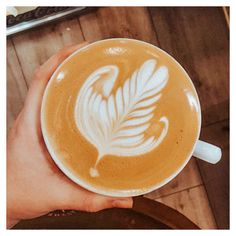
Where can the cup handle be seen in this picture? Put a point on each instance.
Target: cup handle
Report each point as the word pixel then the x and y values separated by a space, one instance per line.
pixel 207 152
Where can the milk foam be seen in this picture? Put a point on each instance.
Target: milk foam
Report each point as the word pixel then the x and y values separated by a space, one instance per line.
pixel 115 121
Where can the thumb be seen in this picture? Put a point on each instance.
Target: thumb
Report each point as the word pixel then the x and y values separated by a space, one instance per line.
pixel 43 74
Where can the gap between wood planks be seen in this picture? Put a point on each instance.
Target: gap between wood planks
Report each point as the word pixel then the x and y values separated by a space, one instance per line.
pixel 153 26
pixel 82 33
pixel 192 187
pixel 215 122
pixel 12 42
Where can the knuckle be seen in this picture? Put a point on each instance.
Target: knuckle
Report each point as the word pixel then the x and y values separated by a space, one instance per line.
pixel 91 206
pixel 37 71
pixel 62 53
pixel 22 125
pixel 17 130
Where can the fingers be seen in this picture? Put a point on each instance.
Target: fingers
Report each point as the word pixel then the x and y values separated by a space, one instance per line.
pixel 43 74
pixel 75 197
pixel 99 202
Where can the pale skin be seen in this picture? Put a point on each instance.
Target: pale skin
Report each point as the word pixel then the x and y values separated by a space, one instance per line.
pixel 35 185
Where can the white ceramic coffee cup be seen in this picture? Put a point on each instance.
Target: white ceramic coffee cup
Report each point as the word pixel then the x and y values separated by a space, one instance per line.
pixel 202 150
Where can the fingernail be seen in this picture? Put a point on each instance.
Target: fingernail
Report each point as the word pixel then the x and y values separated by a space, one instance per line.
pixel 123 203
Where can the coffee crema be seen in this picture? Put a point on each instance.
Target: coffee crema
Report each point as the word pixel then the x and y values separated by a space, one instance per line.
pixel 121 115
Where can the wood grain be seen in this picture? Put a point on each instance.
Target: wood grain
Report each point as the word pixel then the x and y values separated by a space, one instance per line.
pixel 16 85
pixel 188 177
pixel 216 113
pixel 118 22
pixel 198 38
pixel 216 177
pixel 35 46
pixel 194 204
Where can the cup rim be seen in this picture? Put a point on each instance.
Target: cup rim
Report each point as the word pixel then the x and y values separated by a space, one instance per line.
pixel 113 192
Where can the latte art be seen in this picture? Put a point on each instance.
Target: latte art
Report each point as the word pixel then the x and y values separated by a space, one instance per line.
pixel 120 117
pixel 115 122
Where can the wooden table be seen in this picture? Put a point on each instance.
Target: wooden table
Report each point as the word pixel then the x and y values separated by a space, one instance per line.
pixel 199 39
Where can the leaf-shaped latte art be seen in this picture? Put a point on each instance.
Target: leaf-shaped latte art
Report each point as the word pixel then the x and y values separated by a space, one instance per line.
pixel 115 122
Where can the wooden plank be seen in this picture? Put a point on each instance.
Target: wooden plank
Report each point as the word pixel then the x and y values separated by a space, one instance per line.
pixel 188 177
pixel 216 177
pixel 118 22
pixel 216 113
pixel 16 85
pixel 192 203
pixel 35 46
pixel 198 38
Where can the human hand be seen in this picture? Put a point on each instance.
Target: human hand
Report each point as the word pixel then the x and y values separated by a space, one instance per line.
pixel 35 185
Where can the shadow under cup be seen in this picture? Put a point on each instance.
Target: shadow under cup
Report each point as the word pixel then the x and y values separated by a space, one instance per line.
pixel 120 117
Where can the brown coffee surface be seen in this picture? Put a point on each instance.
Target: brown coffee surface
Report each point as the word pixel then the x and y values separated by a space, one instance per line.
pixel 178 103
